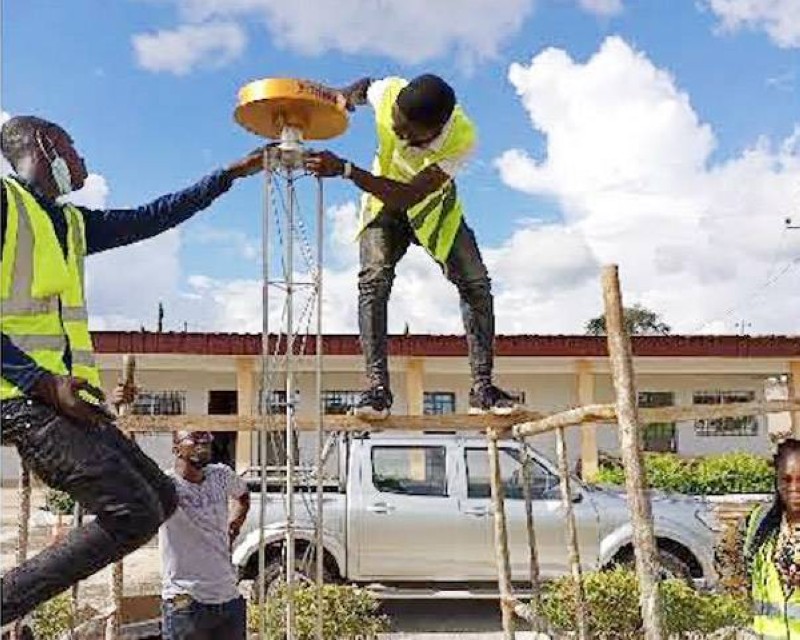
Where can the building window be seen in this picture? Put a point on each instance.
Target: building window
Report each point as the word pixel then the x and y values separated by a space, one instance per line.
pixel 743 426
pixel 660 437
pixel 437 403
pixel 277 400
pixel 338 403
pixel 160 403
pixel 416 471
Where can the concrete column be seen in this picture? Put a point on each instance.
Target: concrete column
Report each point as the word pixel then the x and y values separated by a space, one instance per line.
pixel 246 400
pixel 415 386
pixel 585 392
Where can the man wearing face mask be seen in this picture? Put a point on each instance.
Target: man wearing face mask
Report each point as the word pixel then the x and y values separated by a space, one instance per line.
pixel 424 140
pixel 50 401
pixel 200 600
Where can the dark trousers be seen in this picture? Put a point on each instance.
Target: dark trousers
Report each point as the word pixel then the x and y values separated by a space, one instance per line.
pixel 107 474
pixel 192 620
pixel 383 243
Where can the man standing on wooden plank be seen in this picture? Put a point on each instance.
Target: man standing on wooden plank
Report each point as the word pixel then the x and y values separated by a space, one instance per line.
pixel 50 401
pixel 424 140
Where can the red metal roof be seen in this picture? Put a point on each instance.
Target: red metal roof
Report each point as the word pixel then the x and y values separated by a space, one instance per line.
pixel 235 344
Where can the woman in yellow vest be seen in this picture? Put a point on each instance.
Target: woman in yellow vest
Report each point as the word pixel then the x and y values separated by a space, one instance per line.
pixel 424 139
pixel 50 402
pixel 772 552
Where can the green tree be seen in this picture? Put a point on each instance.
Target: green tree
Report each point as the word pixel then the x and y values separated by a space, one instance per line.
pixel 638 322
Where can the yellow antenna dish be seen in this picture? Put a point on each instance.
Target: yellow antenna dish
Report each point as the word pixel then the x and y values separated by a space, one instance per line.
pixel 268 107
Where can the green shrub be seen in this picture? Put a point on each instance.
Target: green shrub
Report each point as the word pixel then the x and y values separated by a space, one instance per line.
pixel 612 599
pixel 710 475
pixel 348 613
pixel 59 502
pixel 52 619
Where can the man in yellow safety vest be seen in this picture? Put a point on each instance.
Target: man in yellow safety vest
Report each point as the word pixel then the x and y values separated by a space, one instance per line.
pixel 50 401
pixel 424 139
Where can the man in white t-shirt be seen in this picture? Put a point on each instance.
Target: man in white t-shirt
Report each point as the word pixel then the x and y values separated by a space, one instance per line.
pixel 424 140
pixel 200 599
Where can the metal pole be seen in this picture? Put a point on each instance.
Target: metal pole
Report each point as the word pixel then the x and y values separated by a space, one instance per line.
pixel 289 266
pixel 265 390
pixel 572 532
pixel 619 351
pixel 320 414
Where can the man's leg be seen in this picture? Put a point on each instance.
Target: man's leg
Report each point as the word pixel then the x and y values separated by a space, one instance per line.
pixel 186 621
pixel 382 245
pixel 234 624
pixel 104 472
pixel 465 269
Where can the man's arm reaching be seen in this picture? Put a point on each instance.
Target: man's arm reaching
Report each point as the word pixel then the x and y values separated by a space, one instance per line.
pixel 397 196
pixel 111 228
pixel 18 367
pixel 355 94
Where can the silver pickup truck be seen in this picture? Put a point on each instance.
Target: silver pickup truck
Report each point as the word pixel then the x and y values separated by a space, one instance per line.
pixel 412 515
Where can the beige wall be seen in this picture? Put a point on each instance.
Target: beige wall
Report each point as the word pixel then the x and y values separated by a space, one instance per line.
pixel 549 385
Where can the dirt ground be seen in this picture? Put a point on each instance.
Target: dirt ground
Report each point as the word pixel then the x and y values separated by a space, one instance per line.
pixel 142 569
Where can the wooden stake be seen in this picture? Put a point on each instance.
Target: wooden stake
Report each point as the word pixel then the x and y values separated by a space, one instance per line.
pixel 572 533
pixel 536 588
pixel 501 540
pixel 619 349
pixel 23 529
pixel 114 624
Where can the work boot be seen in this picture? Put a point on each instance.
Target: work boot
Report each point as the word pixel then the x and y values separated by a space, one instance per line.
pixel 373 404
pixel 489 398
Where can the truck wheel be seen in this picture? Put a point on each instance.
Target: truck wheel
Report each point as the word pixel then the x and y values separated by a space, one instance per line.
pixel 304 574
pixel 669 564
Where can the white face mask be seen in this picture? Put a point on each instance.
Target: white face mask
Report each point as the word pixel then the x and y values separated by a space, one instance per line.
pixel 59 169
pixel 61 175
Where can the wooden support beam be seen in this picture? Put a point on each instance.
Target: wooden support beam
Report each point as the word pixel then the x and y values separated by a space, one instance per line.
pixel 607 413
pixel 452 422
pixel 530 528
pixel 502 555
pixel 565 482
pixel 644 542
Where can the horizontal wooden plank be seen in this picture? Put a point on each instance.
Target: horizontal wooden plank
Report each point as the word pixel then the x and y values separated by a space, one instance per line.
pixel 606 413
pixel 449 422
pixel 521 424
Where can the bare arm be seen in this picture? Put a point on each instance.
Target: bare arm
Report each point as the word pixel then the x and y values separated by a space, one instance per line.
pixel 399 196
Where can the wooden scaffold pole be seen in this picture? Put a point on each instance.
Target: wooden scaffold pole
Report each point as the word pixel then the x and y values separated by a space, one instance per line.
pixel 619 350
pixel 501 539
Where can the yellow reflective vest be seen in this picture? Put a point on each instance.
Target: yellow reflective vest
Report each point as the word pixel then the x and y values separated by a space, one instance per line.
pixel 436 219
pixel 42 292
pixel 776 612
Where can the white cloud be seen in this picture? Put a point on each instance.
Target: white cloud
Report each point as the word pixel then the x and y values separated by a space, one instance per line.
pixel 779 18
pixel 93 194
pixel 190 46
pixel 628 160
pixel 412 31
pixel 602 7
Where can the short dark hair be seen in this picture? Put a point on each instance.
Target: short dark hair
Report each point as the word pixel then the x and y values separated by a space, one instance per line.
pixel 18 136
pixel 427 100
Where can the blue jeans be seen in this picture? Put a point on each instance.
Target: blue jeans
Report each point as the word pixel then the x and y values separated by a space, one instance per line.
pixel 191 620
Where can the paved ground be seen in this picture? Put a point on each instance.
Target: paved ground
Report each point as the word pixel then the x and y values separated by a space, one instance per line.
pixel 142 576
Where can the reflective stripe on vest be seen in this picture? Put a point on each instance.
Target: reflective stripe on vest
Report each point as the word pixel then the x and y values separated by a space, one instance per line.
pixel 774 615
pixel 437 218
pixel 43 303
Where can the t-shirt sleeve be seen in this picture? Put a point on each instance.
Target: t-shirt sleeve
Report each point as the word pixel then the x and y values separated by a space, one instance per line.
pixel 235 484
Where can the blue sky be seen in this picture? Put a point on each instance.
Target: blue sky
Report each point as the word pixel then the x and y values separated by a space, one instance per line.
pixel 679 117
